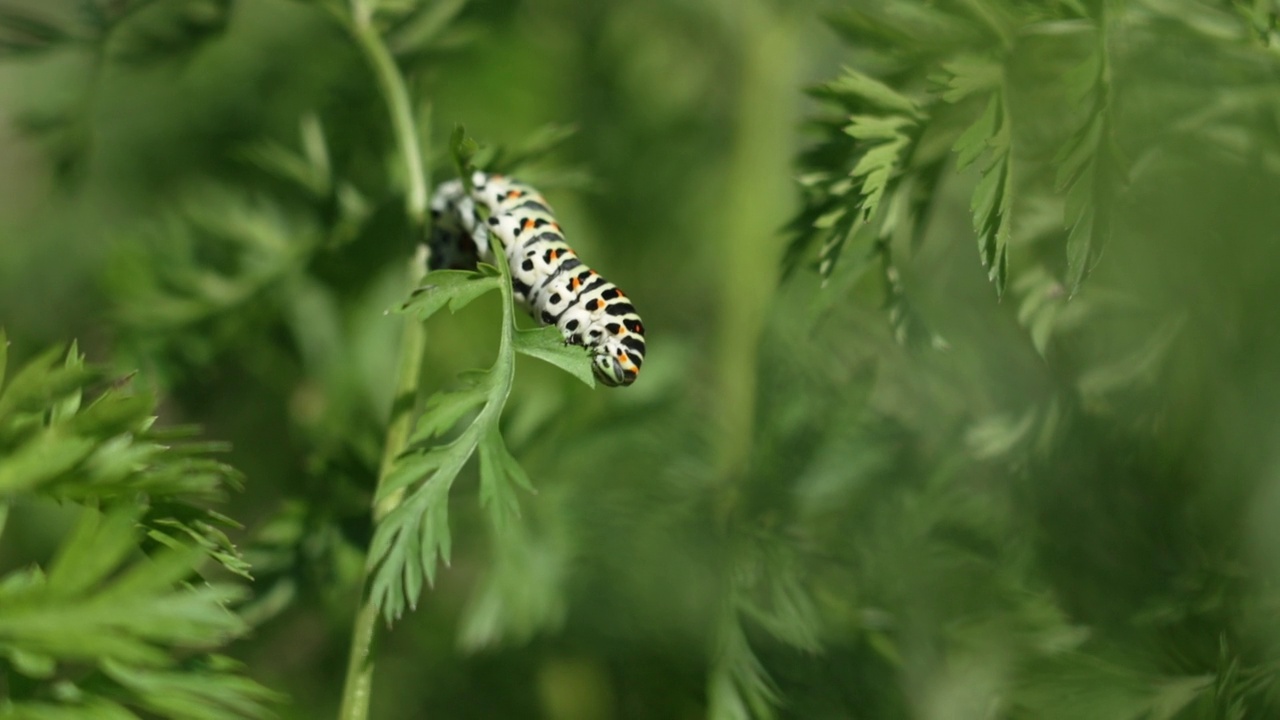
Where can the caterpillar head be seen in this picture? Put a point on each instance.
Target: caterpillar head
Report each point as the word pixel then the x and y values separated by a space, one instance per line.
pixel 614 365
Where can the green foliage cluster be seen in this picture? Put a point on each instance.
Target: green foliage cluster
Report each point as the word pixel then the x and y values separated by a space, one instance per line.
pixel 1059 507
pixel 118 623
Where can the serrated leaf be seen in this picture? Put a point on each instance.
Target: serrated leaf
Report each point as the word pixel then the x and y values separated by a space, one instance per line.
pixel 828 220
pixel 546 343
pixel 41 459
pixel 969 75
pixel 416 467
pixel 1079 152
pixel 498 471
pixel 37 384
pixel 976 138
pixel 97 545
pixel 113 413
pixel 1082 80
pixel 990 206
pixel 877 127
pixel 463 149
pixel 444 409
pixel 1136 368
pixel 282 162
pixel 853 85
pixel 4 357
pixel 69 403
pixel 876 168
pixel 455 288
pixel 425 25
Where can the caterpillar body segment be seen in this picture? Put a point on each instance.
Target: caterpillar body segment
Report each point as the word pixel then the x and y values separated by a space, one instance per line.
pixel 547 278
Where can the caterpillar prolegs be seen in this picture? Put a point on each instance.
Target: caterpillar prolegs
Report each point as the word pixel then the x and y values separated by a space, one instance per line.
pixel 547 278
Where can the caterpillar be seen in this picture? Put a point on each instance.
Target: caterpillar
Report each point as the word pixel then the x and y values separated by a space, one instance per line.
pixel 547 278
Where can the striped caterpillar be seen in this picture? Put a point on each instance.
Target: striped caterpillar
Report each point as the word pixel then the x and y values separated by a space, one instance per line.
pixel 547 278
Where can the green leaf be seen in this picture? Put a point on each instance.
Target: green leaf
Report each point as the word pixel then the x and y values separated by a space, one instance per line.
pixel 1078 155
pixel 444 409
pixel 41 459
pixel 498 472
pixel 113 413
pixel 977 137
pixel 38 384
pixel 426 25
pixel 738 687
pixel 463 149
pixel 309 170
pixel 877 168
pixel 1135 369
pixel 971 74
pixel 1083 79
pixel 854 85
pixel 877 127
pixel 455 288
pixel 203 693
pixel 546 343
pixel 419 467
pixel 97 545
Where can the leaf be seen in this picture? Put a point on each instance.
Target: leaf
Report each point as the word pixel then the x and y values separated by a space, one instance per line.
pixel 738 687
pixel 878 127
pixel 853 85
pixel 38 384
pixel 444 409
pixel 1083 79
pixel 997 435
pixel 455 288
pixel 976 138
pixel 203 693
pixel 1080 687
pixel 877 168
pixel 971 74
pixel 113 413
pixel 498 472
pixel 417 468
pixel 425 25
pixel 463 149
pixel 42 459
pixel 1138 368
pixel 546 343
pixel 97 545
pixel 1077 156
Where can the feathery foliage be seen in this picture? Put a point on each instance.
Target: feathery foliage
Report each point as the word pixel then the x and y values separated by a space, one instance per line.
pixel 1060 505
pixel 118 622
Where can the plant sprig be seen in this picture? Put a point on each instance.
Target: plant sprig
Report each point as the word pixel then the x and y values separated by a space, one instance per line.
pixel 100 602
pixel 410 542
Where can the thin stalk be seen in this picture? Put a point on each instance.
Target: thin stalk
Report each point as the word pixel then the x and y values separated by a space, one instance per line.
pixel 357 689
pixel 758 169
pixel 360 664
pixel 396 94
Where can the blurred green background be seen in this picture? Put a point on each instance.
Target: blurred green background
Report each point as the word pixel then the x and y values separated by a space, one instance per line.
pixel 1037 506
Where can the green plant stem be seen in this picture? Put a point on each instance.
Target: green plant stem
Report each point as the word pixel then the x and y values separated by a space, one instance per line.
pixel 759 176
pixel 396 95
pixel 357 689
pixel 360 664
